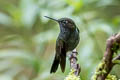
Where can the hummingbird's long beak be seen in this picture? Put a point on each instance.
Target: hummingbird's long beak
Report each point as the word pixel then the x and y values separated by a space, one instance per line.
pixel 51 18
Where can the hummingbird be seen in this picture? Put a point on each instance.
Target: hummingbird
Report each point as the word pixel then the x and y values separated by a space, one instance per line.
pixel 67 40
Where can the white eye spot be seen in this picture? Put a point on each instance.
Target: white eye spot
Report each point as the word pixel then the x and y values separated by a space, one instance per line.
pixel 66 21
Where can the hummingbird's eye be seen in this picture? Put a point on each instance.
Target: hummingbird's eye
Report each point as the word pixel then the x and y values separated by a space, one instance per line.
pixel 65 22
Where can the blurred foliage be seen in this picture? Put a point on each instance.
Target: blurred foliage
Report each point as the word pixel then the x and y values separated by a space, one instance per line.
pixel 27 38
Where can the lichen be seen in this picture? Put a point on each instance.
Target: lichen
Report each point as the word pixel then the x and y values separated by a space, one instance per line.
pixel 72 76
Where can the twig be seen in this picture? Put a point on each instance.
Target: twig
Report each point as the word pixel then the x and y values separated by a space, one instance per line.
pixel 73 62
pixel 116 60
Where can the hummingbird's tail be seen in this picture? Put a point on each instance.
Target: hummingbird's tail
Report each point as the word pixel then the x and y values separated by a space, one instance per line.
pixel 55 65
pixel 63 62
pixel 57 61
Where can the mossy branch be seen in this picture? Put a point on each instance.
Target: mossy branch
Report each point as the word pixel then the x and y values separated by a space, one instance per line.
pixel 108 61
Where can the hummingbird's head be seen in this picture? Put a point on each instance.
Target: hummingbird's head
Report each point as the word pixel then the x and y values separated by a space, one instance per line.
pixel 65 22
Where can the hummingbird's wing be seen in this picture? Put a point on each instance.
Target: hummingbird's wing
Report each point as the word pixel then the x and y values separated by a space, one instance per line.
pixel 60 56
pixel 61 52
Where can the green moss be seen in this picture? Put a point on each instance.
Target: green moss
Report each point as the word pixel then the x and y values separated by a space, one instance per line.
pixel 100 70
pixel 115 47
pixel 116 61
pixel 111 77
pixel 72 76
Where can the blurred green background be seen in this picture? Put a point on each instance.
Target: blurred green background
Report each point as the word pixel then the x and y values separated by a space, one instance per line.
pixel 27 38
